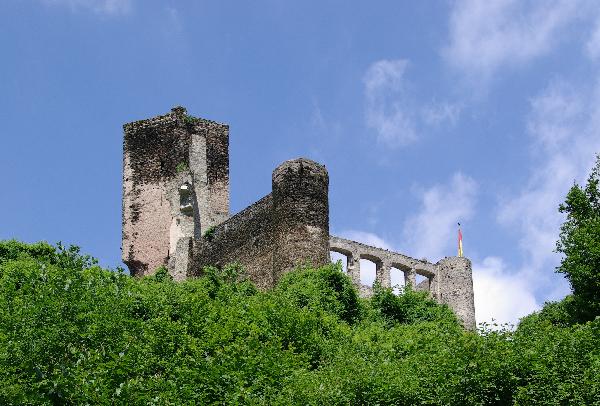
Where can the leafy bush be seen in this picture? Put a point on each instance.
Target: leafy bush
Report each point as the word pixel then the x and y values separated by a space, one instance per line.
pixel 559 365
pixel 325 289
pixel 209 234
pixel 409 307
pixel 562 314
pixel 73 333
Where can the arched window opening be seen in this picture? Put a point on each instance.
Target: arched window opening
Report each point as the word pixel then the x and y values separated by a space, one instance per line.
pixel 185 199
pixel 368 271
pixel 422 282
pixel 336 256
pixel 397 280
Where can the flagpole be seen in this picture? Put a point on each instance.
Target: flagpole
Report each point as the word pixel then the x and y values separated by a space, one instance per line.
pixel 460 245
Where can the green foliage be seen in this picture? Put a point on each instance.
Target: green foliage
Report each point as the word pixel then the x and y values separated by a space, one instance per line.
pixel 559 365
pixel 409 307
pixel 73 333
pixel 162 275
pixel 189 120
pixel 61 256
pixel 563 314
pixel 181 167
pixel 580 244
pixel 325 289
pixel 229 278
pixel 13 250
pixel 209 234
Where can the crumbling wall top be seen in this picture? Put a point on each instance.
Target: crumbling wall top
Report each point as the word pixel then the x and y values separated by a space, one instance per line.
pixel 395 259
pixel 177 113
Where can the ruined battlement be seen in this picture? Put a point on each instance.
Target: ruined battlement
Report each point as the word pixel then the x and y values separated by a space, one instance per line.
pixel 176 214
pixel 176 115
pixel 449 281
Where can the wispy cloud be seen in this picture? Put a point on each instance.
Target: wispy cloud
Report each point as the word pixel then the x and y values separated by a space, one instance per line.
pixel 392 111
pixel 564 124
pixel 322 125
pixel 438 114
pixel 487 36
pixel 173 22
pixel 387 111
pixel 108 7
pixel 429 233
pixel 592 46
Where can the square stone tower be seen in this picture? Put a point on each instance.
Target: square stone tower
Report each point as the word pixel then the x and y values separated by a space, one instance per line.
pixel 175 184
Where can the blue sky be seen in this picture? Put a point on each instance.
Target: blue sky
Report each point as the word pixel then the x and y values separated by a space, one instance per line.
pixel 425 114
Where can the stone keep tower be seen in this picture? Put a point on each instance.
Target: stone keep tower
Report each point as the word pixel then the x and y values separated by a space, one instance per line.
pixel 175 184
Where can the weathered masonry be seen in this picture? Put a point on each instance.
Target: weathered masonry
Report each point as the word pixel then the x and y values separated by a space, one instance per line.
pixel 449 281
pixel 176 214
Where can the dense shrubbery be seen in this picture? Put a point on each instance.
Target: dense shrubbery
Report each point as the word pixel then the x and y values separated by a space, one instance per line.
pixel 73 333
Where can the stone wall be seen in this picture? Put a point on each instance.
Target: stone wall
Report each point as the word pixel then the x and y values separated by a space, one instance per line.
pixel 449 281
pixel 246 238
pixel 285 229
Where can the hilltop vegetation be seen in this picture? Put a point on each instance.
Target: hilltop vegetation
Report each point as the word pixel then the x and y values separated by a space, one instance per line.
pixel 73 333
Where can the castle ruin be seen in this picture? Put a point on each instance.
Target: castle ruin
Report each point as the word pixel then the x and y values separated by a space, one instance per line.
pixel 176 214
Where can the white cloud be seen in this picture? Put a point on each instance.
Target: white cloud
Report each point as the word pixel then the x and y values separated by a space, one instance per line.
pixel 110 7
pixel 500 296
pixel 387 110
pixel 366 238
pixel 392 111
pixel 437 114
pixel 486 36
pixel 592 46
pixel 556 115
pixel 564 125
pixel 430 232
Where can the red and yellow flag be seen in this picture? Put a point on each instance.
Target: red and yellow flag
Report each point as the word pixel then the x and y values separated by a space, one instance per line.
pixel 460 249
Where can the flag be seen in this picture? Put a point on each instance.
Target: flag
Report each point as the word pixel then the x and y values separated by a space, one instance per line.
pixel 460 248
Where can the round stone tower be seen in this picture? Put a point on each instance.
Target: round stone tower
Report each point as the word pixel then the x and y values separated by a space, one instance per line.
pixel 300 215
